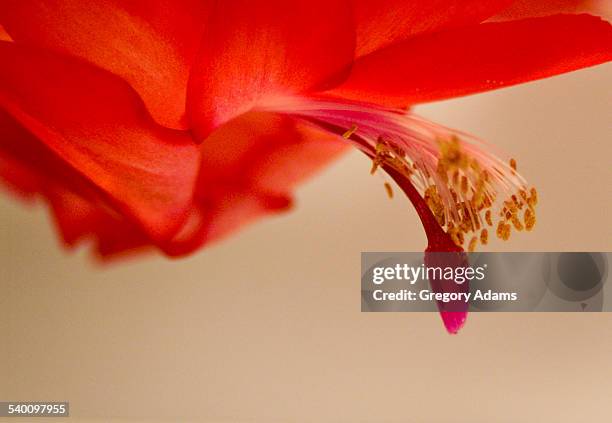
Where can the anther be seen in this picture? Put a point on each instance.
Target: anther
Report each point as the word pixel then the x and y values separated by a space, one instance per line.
pixel 389 190
pixel 350 132
pixel 513 164
pixel 533 199
pixel 464 185
pixel 472 245
pixel 530 219
pixel 484 237
pixel 517 223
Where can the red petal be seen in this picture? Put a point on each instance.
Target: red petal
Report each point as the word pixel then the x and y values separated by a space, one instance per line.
pixel 241 181
pixel 93 122
pixel 4 35
pixel 18 178
pixel 29 166
pixel 78 219
pixel 478 58
pixel 383 22
pixel 30 170
pixel 521 9
pixel 149 44
pixel 249 169
pixel 254 51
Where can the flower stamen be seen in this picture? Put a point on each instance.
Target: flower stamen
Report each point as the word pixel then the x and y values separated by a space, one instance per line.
pixel 461 182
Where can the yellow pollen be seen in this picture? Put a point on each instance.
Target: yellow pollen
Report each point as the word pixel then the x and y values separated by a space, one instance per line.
pixel 484 237
pixel 530 219
pixel 434 202
pixel 389 190
pixel 390 154
pixel 461 193
pixel 350 132
pixel 500 229
pixel 469 186
pixel 513 164
pixel 454 236
pixel 464 185
pixel 456 177
pixel 450 152
pixel 472 245
pixel 460 238
pixel 511 205
pixel 517 223
pixel 533 200
pixel 506 236
pixel 503 231
pixel 374 167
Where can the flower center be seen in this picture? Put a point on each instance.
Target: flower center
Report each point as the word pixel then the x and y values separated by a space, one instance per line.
pixel 466 189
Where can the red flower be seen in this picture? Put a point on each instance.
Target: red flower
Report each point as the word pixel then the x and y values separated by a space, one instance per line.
pixel 171 123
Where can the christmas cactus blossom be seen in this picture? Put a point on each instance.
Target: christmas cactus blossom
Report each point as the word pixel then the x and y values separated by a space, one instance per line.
pixel 172 123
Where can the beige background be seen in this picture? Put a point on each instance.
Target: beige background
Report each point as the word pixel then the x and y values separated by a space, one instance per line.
pixel 266 326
